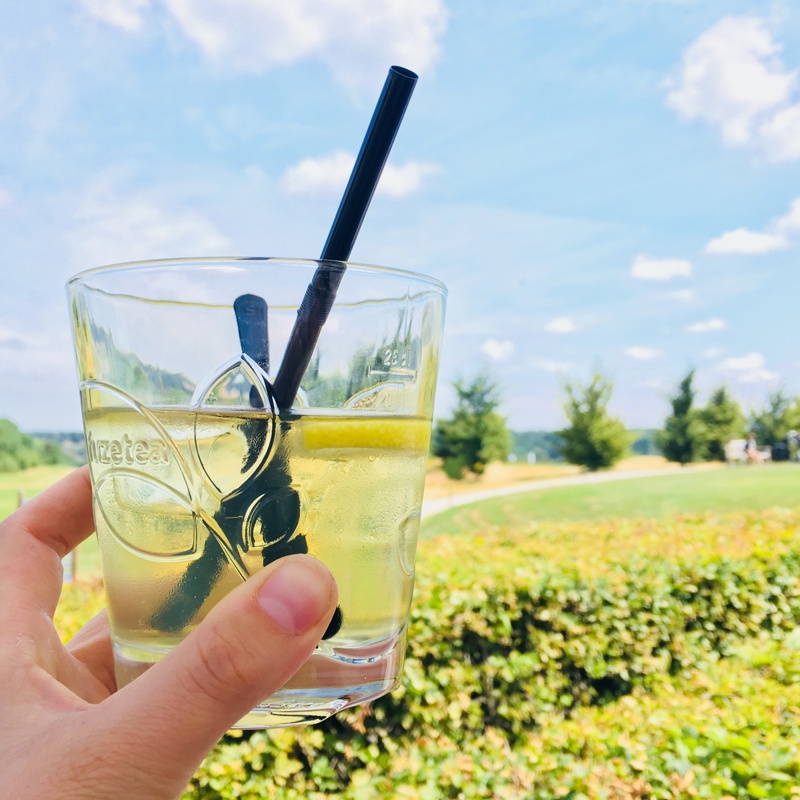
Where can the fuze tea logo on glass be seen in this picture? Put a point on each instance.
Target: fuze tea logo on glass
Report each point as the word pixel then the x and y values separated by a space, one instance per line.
pixel 128 451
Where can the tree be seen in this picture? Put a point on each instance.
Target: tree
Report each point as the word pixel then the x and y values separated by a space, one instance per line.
pixel 776 420
pixel 594 439
pixel 723 420
pixel 792 417
pixel 684 438
pixel 20 451
pixel 476 434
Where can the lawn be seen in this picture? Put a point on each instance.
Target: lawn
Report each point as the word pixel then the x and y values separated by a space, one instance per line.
pixel 27 484
pixel 722 490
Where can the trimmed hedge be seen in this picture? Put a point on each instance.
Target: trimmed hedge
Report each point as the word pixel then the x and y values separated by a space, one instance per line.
pixel 722 732
pixel 496 641
pixel 79 602
pixel 515 633
pixel 504 642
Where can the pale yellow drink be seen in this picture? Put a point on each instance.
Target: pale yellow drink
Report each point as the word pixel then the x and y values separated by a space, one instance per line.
pixel 185 492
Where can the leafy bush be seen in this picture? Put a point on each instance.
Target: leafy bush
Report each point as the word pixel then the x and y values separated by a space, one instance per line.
pixel 572 661
pixel 79 602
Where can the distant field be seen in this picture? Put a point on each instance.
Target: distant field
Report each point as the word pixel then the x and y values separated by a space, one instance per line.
pixel 29 481
pixel 437 484
pixel 719 490
pixel 32 481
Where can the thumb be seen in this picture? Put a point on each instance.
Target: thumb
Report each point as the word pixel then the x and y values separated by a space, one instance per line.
pixel 250 644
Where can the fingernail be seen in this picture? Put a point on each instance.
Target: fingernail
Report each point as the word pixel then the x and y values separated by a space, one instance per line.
pixel 297 594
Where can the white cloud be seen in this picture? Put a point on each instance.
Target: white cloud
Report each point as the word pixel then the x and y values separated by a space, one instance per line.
pixel 789 223
pixel 746 242
pixel 707 325
pixel 551 366
pixel 404 180
pixel 638 353
pixel 111 226
pixel 353 39
pixel 497 350
pixel 758 376
pixel 741 363
pixel 712 352
pixel 750 368
pixel 6 198
pixel 329 175
pixel 683 295
pixel 561 325
pixel 732 78
pixel 13 340
pixel 127 15
pixel 776 236
pixel 660 269
pixel 780 135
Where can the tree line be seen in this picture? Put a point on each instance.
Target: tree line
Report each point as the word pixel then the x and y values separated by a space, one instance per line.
pixel 477 433
pixel 700 433
pixel 21 450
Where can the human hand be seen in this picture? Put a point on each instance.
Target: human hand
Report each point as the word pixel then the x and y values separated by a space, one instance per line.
pixel 67 732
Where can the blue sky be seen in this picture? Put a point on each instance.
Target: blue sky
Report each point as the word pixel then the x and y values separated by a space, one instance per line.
pixel 605 185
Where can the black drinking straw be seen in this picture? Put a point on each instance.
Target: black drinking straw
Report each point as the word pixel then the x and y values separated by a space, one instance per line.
pixel 251 318
pixel 364 178
pixel 281 518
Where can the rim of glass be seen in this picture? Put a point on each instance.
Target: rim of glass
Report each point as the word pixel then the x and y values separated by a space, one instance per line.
pixel 134 266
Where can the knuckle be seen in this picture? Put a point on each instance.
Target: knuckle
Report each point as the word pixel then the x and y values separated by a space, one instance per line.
pixel 222 663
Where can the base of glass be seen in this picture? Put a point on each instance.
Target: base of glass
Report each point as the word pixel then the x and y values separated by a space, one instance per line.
pixel 331 679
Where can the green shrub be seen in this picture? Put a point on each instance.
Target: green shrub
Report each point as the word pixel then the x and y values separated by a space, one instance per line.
pixel 527 651
pixel 79 602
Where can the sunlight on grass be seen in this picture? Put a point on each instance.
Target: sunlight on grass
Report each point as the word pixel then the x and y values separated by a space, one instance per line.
pixel 712 491
pixel 722 490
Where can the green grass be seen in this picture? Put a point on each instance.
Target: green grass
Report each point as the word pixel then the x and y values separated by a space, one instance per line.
pixel 734 489
pixel 32 481
pixel 28 481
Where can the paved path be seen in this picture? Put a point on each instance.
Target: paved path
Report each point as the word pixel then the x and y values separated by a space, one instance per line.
pixel 436 505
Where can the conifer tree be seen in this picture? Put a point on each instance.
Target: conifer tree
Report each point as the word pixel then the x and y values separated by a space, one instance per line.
pixel 594 439
pixel 772 423
pixel 476 434
pixel 723 420
pixel 684 437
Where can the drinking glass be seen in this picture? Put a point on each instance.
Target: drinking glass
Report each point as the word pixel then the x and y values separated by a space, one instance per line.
pixel 200 478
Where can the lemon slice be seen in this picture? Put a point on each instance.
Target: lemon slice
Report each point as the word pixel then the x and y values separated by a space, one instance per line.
pixel 386 434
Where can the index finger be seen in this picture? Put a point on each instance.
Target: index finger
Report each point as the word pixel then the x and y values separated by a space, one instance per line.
pixel 33 540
